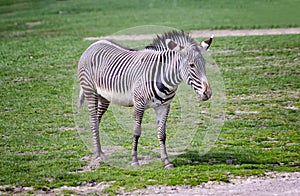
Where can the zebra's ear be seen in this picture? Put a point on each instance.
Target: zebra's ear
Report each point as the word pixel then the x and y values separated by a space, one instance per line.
pixel 171 45
pixel 204 45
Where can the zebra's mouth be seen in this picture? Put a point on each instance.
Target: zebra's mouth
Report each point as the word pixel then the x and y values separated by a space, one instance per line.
pixel 205 95
pixel 204 98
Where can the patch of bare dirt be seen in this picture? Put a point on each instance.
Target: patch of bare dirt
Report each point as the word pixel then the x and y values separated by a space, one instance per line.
pixel 63 128
pixel 207 33
pixel 30 24
pixel 85 188
pixel 272 184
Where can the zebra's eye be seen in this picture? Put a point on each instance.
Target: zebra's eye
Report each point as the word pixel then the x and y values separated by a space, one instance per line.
pixel 192 65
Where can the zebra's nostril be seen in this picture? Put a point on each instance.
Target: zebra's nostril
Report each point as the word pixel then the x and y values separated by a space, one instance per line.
pixel 206 94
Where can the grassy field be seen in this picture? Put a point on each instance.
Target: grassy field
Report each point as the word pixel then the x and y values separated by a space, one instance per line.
pixel 41 42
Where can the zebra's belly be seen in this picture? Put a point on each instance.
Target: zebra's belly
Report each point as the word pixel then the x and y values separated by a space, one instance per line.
pixel 153 103
pixel 123 99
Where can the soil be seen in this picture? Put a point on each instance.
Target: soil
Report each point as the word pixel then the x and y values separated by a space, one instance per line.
pixel 287 184
pixel 279 184
pixel 208 33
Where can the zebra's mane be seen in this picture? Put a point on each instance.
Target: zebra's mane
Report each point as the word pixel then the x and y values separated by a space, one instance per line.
pixel 181 38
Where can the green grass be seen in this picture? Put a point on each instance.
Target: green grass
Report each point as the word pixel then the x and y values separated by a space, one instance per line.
pixel 91 18
pixel 39 146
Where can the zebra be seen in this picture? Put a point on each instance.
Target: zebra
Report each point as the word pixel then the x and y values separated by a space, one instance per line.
pixel 145 78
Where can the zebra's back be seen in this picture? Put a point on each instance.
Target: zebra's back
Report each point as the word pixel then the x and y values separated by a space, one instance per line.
pixel 114 71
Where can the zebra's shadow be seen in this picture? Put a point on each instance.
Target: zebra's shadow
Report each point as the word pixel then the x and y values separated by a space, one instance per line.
pixel 193 157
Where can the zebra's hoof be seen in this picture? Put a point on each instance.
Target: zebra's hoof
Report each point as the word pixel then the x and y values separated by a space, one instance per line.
pixel 169 166
pixel 135 164
pixel 102 157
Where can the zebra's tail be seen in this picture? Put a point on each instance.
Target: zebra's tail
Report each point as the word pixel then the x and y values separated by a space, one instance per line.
pixel 81 98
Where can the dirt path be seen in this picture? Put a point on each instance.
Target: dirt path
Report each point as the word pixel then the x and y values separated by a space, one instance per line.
pixel 208 33
pixel 281 184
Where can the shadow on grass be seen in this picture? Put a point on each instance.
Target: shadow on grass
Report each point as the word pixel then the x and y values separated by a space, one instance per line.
pixel 230 158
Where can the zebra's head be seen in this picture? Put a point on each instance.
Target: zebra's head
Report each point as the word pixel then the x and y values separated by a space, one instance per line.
pixel 192 68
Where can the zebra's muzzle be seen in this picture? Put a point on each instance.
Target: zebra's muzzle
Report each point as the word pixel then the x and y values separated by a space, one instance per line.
pixel 206 93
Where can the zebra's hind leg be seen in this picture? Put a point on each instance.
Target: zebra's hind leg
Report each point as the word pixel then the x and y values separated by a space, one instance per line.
pixel 161 116
pixel 97 107
pixel 138 116
pixel 102 108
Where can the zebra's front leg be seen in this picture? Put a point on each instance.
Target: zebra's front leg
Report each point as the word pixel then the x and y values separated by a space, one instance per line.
pixel 138 116
pixel 161 116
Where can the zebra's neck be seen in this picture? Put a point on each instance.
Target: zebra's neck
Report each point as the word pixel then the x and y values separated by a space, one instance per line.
pixel 168 70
